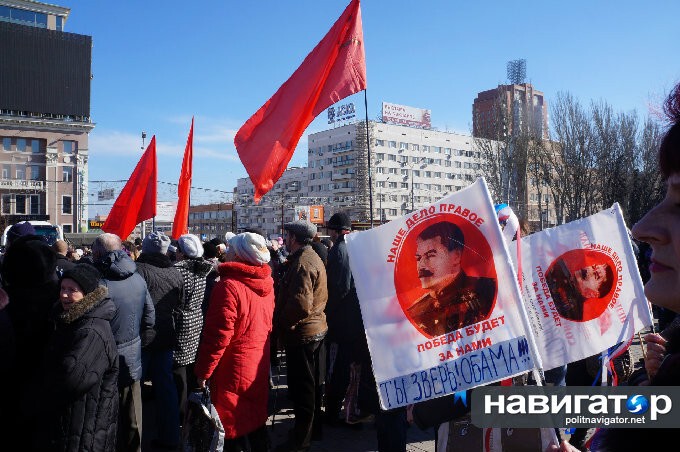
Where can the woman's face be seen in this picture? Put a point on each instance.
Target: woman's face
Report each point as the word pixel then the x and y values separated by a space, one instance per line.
pixel 661 229
pixel 70 293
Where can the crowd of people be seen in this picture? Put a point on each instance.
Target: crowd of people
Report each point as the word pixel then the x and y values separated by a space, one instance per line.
pixel 86 335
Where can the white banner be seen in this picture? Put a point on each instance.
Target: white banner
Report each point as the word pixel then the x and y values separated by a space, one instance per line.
pixel 439 300
pixel 583 289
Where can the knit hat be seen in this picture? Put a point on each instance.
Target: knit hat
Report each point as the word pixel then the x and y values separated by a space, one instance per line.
pixel 251 248
pixel 156 242
pixel 19 230
pixel 85 275
pixel 190 245
pixel 301 229
pixel 228 236
pixel 340 221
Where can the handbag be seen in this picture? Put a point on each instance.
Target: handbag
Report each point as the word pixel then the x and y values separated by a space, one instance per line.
pixel 203 430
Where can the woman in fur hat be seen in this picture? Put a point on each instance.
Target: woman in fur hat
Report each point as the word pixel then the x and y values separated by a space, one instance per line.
pixel 80 387
pixel 234 349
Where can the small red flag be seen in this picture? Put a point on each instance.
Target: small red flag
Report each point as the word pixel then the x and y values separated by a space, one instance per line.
pixel 137 201
pixel 180 225
pixel 335 69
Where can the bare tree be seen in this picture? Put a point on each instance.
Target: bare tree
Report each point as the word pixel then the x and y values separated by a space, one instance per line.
pixel 647 186
pixel 574 177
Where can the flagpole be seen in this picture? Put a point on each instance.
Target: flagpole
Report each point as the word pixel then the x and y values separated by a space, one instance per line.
pixel 368 151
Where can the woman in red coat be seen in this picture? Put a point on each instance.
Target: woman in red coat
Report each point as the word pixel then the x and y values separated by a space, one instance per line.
pixel 234 349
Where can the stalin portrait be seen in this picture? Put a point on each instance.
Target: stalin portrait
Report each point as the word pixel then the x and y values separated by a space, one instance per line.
pixel 454 299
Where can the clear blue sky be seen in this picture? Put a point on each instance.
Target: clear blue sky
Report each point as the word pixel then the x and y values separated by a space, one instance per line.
pixel 157 63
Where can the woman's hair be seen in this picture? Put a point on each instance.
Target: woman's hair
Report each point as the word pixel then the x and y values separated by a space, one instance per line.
pixel 669 151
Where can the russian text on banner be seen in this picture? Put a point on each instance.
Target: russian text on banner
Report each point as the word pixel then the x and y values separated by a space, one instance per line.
pixel 439 300
pixel 582 287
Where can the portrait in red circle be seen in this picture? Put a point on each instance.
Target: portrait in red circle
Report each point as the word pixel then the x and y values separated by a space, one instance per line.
pixel 582 283
pixel 445 277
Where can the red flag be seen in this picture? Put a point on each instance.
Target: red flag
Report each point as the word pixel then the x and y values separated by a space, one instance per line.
pixel 137 200
pixel 180 225
pixel 335 69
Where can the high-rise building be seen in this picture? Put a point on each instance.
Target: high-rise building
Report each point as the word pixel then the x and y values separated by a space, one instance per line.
pixel 510 109
pixel 44 116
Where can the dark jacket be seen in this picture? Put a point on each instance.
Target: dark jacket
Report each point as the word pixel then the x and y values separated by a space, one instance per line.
pixel 190 318
pixel 135 315
pixel 80 387
pixel 63 264
pixel 303 293
pixel 616 439
pixel 29 277
pixel 165 286
pixel 343 313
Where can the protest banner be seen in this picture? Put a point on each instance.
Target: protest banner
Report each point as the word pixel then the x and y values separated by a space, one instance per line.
pixel 582 288
pixel 439 300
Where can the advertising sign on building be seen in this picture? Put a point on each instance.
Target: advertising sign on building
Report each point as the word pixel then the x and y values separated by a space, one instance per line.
pixel 341 113
pixel 408 116
pixel 316 214
pixel 165 211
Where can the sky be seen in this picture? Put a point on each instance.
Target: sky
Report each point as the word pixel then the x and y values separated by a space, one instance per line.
pixel 155 64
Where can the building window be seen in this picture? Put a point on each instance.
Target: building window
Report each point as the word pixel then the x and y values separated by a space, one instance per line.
pixel 403 146
pixel 415 147
pixel 426 148
pixel 21 144
pixel 6 204
pixel 67 174
pixel 6 144
pixel 458 165
pixel 404 185
pixel 391 158
pixel 447 163
pixel 35 146
pixel 67 205
pixel 392 170
pixel 380 142
pixel 437 149
pixel 447 151
pixel 35 172
pixel 393 185
pixel 67 228
pixel 20 204
pixel 6 171
pixel 416 173
pixel 404 172
pixel 21 173
pixel 380 156
pixel 391 144
pixel 69 146
pixel 35 204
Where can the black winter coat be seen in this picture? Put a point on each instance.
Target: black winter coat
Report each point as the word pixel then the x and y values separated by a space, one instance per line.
pixel 80 387
pixel 343 313
pixel 165 286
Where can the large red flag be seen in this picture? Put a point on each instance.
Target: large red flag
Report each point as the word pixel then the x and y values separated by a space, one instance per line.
pixel 180 225
pixel 137 200
pixel 335 69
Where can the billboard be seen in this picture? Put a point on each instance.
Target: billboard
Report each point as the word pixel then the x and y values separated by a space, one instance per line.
pixel 106 194
pixel 408 116
pixel 44 71
pixel 313 214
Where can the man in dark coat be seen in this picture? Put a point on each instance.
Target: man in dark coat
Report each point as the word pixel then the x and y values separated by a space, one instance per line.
pixel 60 247
pixel 164 283
pixel 454 299
pixel 132 328
pixel 80 378
pixel 345 336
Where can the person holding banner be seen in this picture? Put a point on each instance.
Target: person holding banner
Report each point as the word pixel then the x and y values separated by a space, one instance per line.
pixel 454 299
